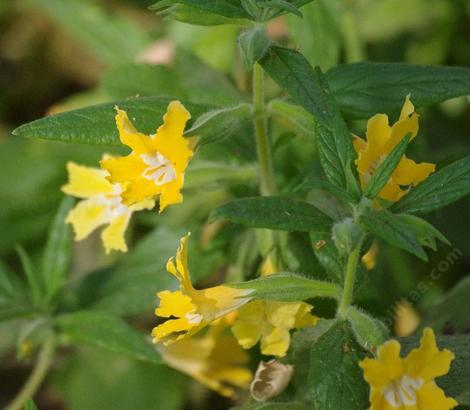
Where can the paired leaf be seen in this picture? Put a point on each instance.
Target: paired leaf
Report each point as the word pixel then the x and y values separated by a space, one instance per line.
pixel 273 213
pixel 447 185
pixel 216 125
pixel 393 230
pixel 96 124
pixel 369 332
pixel 253 45
pixel 57 254
pixel 288 287
pixel 335 379
pixel 107 331
pixel 386 168
pixel 308 88
pixel 365 89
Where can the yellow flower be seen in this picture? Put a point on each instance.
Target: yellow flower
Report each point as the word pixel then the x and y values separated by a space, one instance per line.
pixel 408 383
pixel 192 309
pixel 214 359
pixel 406 319
pixel 101 205
pixel 271 322
pixel 157 162
pixel 381 139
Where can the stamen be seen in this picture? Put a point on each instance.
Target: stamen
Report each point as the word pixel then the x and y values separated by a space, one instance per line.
pixel 160 169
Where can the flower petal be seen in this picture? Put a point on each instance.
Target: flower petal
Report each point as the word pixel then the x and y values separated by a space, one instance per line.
pixel 171 193
pixel 275 342
pixel 431 397
pixel 124 169
pixel 85 182
pixel 113 234
pixel 248 326
pixel 140 143
pixel 86 216
pixel 427 361
pixel 387 367
pixel 409 172
pixel 139 190
pixel 174 304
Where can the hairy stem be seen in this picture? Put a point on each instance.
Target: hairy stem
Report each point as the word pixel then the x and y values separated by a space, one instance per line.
pixel 349 280
pixel 267 185
pixel 37 376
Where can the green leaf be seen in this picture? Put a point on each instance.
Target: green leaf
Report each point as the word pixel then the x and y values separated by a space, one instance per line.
pixel 301 120
pixel 112 39
pixel 225 8
pixel 365 89
pixel 385 170
pixel 447 185
pixel 252 8
pixel 105 330
pixel 327 254
pixel 281 5
pixel 34 284
pixel 96 124
pixel 369 332
pixel 318 33
pixel 424 231
pixel 288 287
pixel 216 125
pixel 457 382
pixel 188 78
pixel 308 88
pixel 129 288
pixel 273 213
pixel 446 312
pixel 393 230
pixel 335 378
pixel 57 254
pixel 30 405
pixel 253 45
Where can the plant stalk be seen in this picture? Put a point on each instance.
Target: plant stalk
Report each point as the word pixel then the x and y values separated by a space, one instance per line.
pixel 267 184
pixel 37 376
pixel 349 280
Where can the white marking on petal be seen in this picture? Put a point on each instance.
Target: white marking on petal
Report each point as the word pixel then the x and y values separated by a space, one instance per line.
pixel 402 392
pixel 160 169
pixel 194 318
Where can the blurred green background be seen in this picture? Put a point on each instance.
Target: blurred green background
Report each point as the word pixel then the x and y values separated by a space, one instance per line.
pixel 57 55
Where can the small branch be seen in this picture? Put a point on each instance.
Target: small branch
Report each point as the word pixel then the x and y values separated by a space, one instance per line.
pixel 349 280
pixel 37 376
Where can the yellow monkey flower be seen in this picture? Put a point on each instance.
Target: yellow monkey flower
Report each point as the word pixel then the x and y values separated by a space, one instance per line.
pixel 214 359
pixel 189 310
pixel 101 204
pixel 398 383
pixel 157 162
pixel 381 139
pixel 270 321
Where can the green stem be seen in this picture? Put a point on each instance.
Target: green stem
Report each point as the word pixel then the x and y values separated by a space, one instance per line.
pixel 37 376
pixel 349 280
pixel 267 185
pixel 352 41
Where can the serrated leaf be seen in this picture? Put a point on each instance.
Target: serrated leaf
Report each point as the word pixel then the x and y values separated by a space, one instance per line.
pixel 273 213
pixel 253 45
pixel 216 125
pixel 385 170
pixel 281 5
pixel 289 287
pixel 369 332
pixel 57 253
pixel 424 231
pixel 393 230
pixel 105 330
pixel 308 88
pixel 335 379
pixel 359 88
pixel 96 124
pixel 447 185
pixel 226 8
